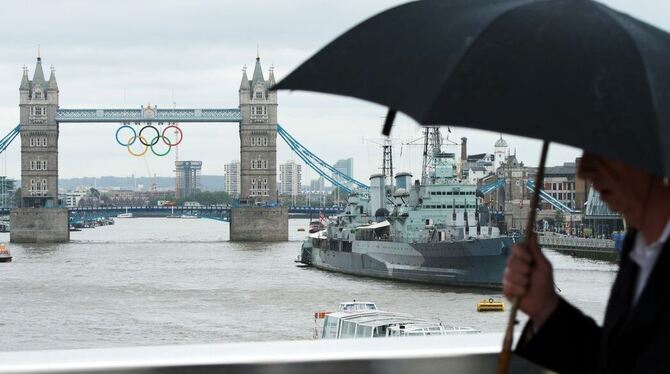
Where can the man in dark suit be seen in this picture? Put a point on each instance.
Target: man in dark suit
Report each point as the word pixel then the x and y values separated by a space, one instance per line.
pixel 635 336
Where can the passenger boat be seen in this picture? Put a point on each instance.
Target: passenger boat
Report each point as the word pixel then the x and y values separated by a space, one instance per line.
pixel 5 256
pixel 125 215
pixel 354 320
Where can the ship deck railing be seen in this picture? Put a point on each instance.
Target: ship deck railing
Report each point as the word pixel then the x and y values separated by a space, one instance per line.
pixel 468 353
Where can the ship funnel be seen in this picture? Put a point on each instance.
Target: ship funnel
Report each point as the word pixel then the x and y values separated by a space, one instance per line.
pixel 377 192
pixel 403 180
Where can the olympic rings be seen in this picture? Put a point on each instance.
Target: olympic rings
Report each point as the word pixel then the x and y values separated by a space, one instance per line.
pixel 146 148
pixel 132 138
pixel 168 142
pixel 164 153
pixel 156 138
pixel 160 135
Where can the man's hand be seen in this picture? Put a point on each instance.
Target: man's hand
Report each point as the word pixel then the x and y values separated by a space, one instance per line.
pixel 529 276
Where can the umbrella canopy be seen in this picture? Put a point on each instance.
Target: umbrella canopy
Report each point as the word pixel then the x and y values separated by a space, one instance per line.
pixel 570 71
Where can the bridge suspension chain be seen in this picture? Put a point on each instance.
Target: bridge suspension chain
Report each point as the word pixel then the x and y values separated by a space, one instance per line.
pixel 324 169
pixel 9 138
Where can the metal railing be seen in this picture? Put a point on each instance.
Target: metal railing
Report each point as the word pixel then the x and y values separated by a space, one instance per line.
pixel 576 243
pixel 468 353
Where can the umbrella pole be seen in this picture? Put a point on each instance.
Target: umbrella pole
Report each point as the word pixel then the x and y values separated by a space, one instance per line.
pixel 505 354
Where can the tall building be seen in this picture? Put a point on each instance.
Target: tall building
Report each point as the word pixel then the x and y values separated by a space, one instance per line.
pixel 346 167
pixel 38 104
pixel 187 178
pixel 290 178
pixel 317 186
pixel 258 137
pixel 231 173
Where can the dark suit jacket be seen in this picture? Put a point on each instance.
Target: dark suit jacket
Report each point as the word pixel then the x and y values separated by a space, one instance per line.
pixel 633 339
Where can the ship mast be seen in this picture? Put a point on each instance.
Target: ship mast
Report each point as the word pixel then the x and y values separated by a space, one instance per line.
pixel 432 146
pixel 387 165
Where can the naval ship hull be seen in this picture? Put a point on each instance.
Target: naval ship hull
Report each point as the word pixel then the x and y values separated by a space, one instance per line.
pixel 470 263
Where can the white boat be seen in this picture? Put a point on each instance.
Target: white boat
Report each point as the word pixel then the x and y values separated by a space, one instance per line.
pixel 355 320
pixel 188 216
pixel 125 215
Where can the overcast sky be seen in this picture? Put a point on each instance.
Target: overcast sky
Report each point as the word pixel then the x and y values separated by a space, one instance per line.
pixel 113 54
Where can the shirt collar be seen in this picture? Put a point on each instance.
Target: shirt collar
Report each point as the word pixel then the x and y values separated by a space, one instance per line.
pixel 659 242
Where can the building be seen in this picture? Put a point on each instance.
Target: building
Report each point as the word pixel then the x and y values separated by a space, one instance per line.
pixel 559 182
pixel 39 138
pixel 562 183
pixel 476 173
pixel 232 178
pixel 7 192
pixel 71 199
pixel 290 178
pixel 187 178
pixel 258 137
pixel 500 152
pixel 346 167
pixel 317 186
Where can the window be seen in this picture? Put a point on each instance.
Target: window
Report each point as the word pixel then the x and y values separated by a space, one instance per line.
pixel 259 94
pixel 253 140
pixel 38 111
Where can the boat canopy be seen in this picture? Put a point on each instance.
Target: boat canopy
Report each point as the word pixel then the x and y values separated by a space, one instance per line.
pixel 375 225
pixel 319 235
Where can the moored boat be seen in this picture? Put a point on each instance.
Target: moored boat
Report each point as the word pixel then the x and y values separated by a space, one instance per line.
pixel 423 231
pixel 125 215
pixel 5 256
pixel 355 320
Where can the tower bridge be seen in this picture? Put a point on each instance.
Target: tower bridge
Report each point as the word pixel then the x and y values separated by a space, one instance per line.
pixel 40 116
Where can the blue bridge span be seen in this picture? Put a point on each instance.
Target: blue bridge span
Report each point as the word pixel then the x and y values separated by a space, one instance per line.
pixel 221 213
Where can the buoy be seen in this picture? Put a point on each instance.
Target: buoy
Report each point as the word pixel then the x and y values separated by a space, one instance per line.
pixel 490 306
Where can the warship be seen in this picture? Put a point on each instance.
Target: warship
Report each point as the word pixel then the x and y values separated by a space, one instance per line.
pixel 427 231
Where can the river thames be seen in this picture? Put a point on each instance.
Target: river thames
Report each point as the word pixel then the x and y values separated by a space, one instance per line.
pixel 156 281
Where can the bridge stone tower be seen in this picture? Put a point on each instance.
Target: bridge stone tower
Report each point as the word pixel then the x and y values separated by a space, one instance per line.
pixel 39 219
pixel 258 137
pixel 258 218
pixel 39 139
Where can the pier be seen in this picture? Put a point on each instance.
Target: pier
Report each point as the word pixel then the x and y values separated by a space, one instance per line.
pixel 597 249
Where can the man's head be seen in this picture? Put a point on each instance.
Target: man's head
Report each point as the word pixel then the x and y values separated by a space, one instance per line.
pixel 625 189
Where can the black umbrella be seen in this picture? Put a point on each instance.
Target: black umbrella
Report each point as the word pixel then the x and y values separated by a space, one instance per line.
pixel 570 71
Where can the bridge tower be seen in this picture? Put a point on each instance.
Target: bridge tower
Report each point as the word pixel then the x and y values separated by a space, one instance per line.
pixel 258 218
pixel 39 219
pixel 39 139
pixel 258 137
